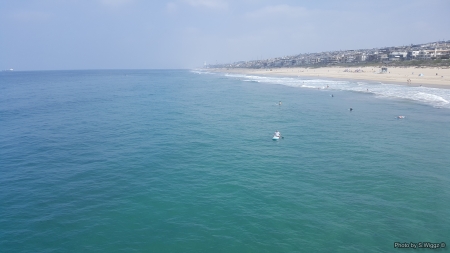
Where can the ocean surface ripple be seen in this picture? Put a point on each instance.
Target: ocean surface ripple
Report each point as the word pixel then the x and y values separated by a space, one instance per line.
pixel 183 161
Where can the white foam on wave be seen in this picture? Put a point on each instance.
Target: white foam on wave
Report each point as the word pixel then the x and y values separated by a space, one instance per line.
pixel 435 99
pixel 201 72
pixel 236 75
pixel 431 96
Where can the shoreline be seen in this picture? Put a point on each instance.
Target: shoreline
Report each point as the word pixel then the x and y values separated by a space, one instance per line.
pixel 394 75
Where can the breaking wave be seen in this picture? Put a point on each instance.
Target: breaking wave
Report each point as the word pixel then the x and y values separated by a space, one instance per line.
pixel 436 97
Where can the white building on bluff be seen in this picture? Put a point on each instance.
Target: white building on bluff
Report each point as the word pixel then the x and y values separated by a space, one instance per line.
pixel 423 55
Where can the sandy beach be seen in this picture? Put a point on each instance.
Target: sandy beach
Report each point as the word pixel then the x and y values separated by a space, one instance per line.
pixel 413 76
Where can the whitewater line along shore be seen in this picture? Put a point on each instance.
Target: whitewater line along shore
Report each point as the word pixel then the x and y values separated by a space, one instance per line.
pixel 412 76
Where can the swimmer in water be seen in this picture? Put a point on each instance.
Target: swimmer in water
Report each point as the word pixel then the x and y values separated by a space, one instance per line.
pixel 279 103
pixel 351 109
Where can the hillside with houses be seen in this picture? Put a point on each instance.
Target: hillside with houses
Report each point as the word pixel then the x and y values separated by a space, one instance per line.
pixel 434 53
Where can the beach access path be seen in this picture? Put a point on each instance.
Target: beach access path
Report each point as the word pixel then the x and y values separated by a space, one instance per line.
pixel 412 76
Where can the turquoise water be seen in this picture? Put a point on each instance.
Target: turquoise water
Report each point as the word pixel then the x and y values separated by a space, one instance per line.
pixel 183 161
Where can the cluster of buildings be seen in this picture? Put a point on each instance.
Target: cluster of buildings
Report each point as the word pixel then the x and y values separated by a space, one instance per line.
pixel 425 52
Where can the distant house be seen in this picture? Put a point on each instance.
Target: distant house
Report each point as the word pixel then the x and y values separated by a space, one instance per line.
pixel 361 57
pixel 315 60
pixel 349 58
pixel 412 54
pixel 382 57
pixel 372 57
pixel 333 59
pixel 442 54
pixel 396 56
pixel 423 55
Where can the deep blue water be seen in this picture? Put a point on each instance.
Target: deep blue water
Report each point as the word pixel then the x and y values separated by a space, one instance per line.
pixel 183 161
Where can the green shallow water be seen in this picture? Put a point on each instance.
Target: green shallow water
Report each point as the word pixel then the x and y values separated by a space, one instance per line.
pixel 177 161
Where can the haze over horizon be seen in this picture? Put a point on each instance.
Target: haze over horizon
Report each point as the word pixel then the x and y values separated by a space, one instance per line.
pixel 137 34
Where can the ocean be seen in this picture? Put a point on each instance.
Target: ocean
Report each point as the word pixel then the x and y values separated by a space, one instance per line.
pixel 184 161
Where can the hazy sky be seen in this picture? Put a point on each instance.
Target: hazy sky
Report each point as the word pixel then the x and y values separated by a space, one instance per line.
pixel 142 34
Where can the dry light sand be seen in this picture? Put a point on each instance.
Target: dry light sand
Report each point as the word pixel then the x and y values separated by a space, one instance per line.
pixel 431 77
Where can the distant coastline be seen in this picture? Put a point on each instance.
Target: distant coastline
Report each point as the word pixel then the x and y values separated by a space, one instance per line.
pixel 434 54
pixel 436 77
pixel 414 65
